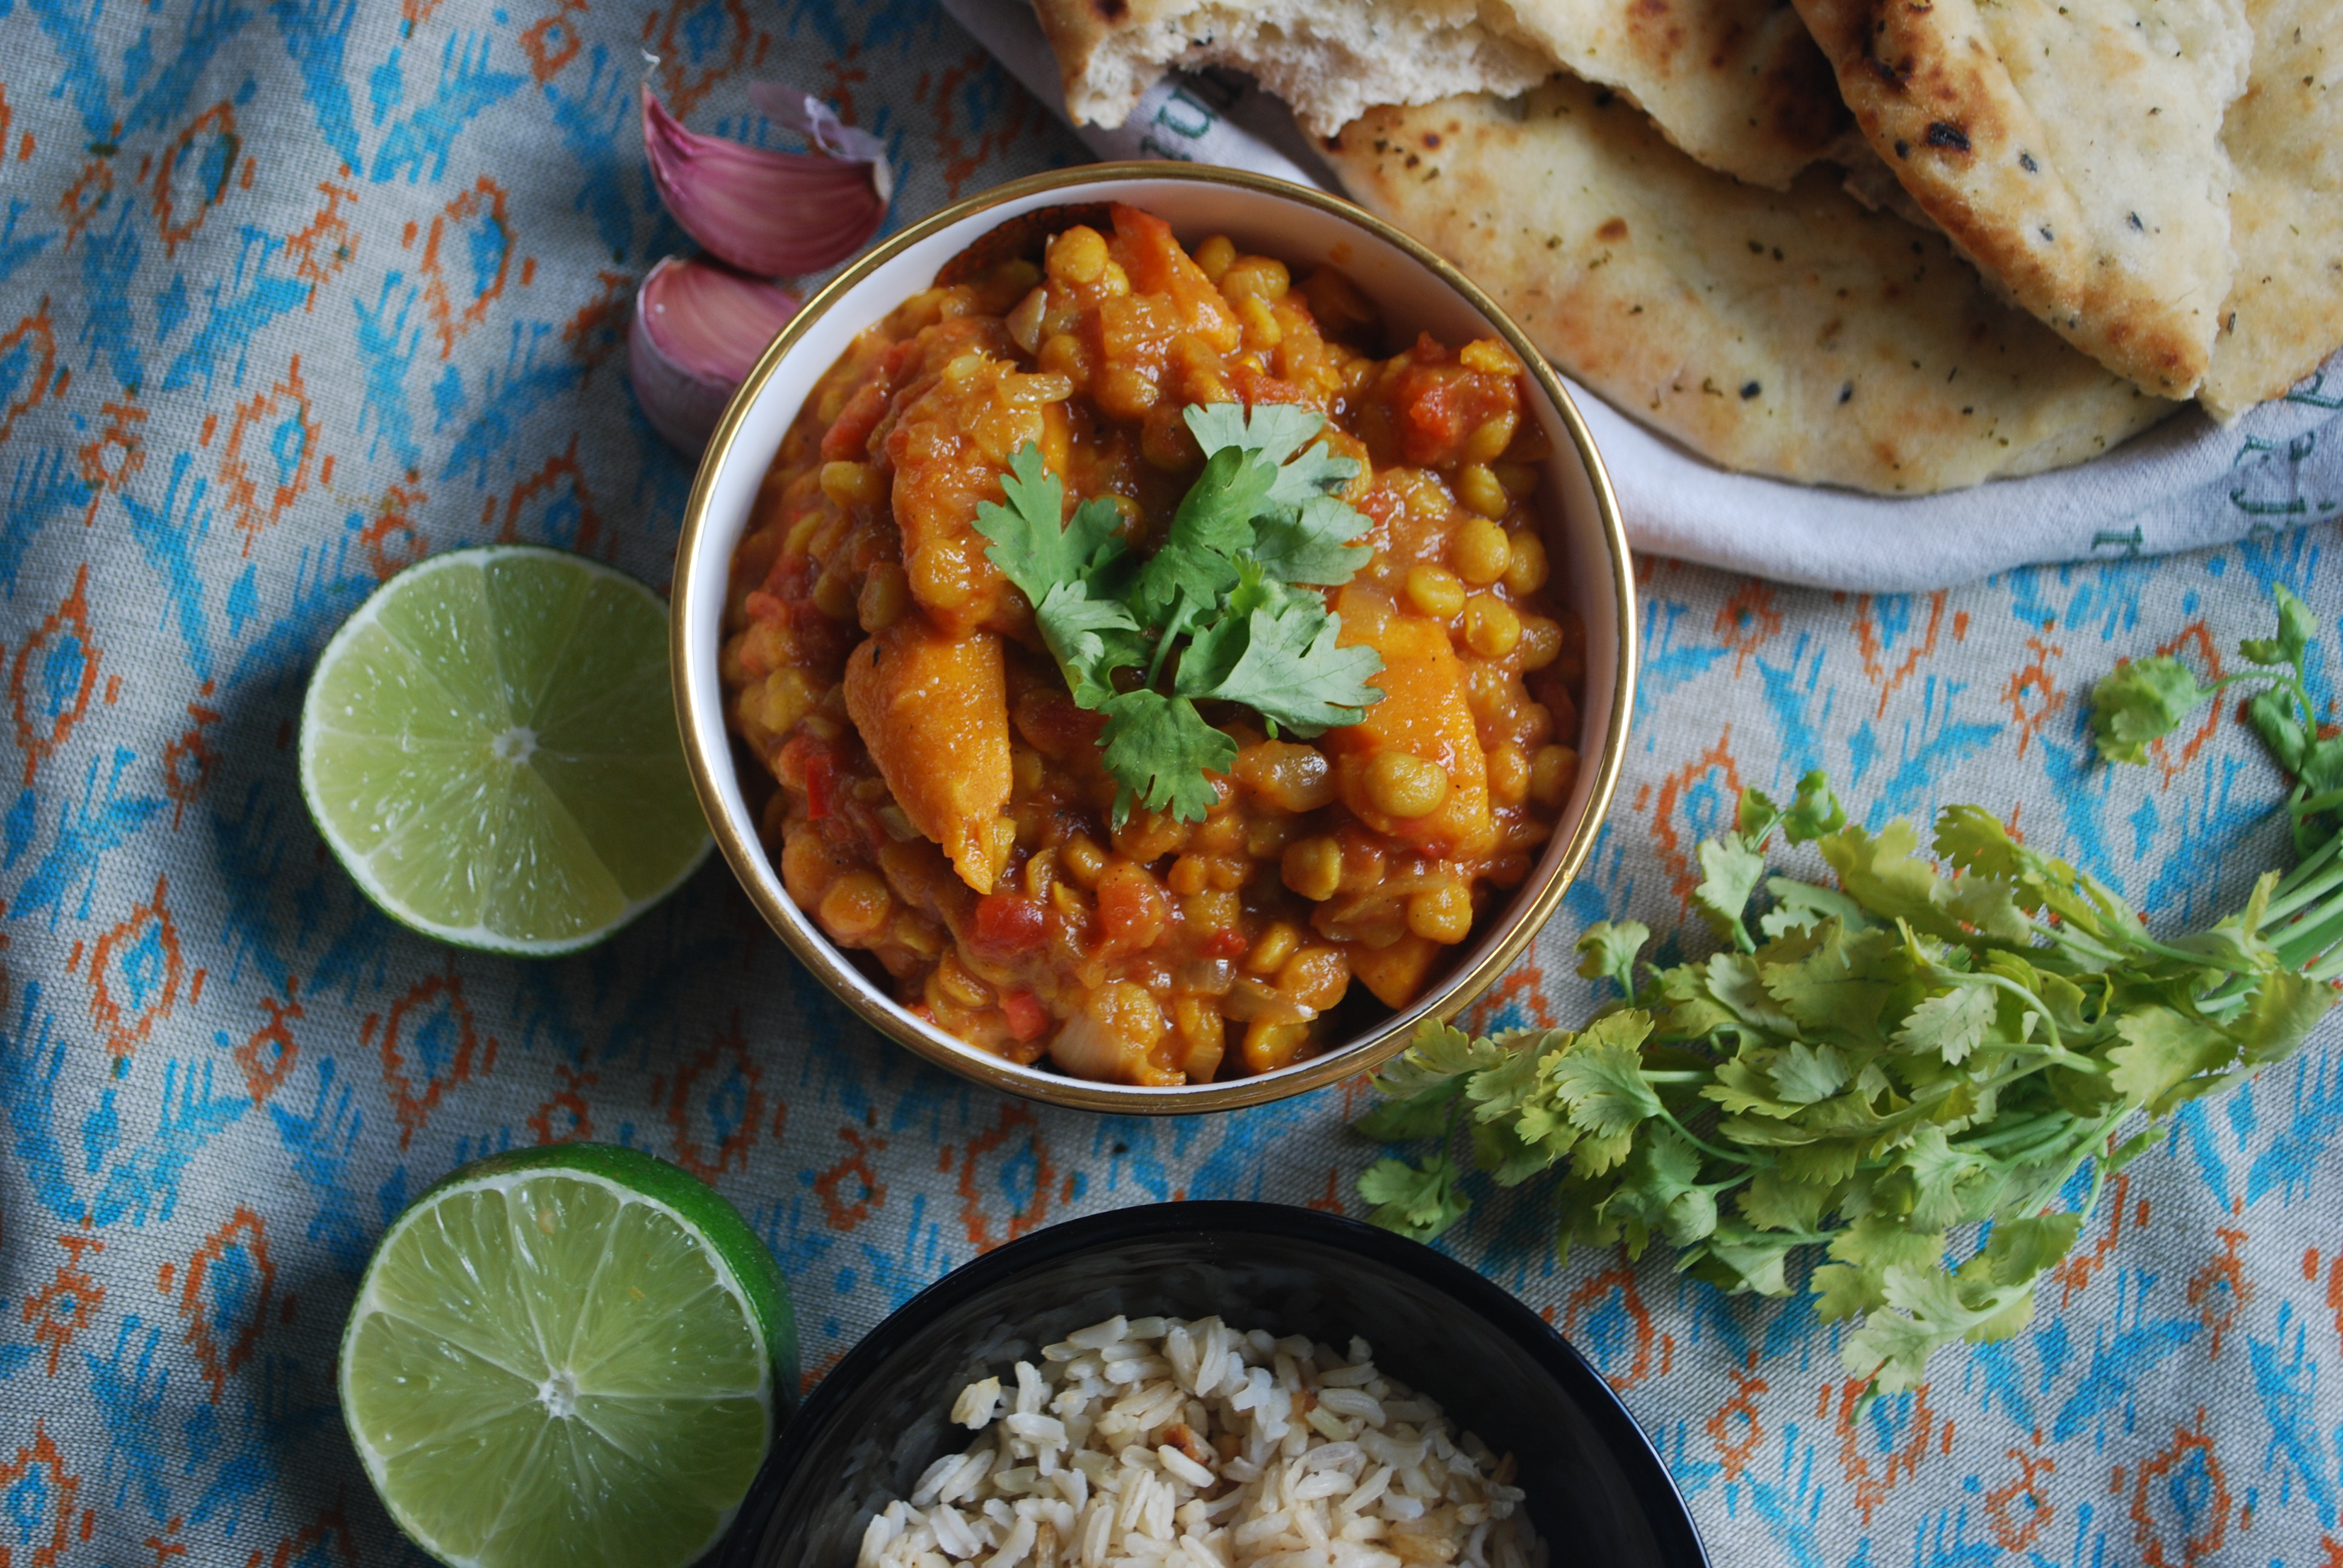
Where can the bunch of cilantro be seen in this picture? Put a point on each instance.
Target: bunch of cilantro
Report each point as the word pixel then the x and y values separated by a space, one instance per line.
pixel 1229 609
pixel 1871 1066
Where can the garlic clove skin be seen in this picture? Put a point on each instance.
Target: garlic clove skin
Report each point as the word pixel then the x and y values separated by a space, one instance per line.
pixel 776 215
pixel 818 124
pixel 697 331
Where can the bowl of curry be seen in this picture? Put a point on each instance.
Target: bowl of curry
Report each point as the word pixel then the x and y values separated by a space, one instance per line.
pixel 1147 637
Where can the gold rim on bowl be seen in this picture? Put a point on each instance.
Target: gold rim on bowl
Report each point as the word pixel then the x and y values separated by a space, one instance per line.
pixel 695 674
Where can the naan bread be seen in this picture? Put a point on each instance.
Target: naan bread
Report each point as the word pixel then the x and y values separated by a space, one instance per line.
pixel 1328 61
pixel 2072 148
pixel 1793 335
pixel 2285 312
pixel 1738 84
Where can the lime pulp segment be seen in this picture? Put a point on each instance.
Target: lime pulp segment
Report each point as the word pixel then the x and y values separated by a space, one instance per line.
pixel 489 745
pixel 546 1367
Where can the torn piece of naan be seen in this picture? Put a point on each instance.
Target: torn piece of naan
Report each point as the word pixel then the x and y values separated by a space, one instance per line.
pixel 2284 310
pixel 2071 148
pixel 1794 335
pixel 1738 84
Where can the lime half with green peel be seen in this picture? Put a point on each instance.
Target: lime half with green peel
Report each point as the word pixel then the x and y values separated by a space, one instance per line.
pixel 489 745
pixel 568 1355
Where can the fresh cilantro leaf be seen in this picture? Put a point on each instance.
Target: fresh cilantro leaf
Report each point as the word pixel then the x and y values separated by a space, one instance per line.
pixel 1773 1203
pixel 2286 1006
pixel 2020 1251
pixel 1498 1149
pixel 1883 874
pixel 1074 625
pixel 1833 981
pixel 1755 1260
pixel 1275 430
pixel 1314 544
pixel 1952 1023
pixel 1814 812
pixel 1030 547
pixel 2272 712
pixel 1290 671
pixel 2162 1049
pixel 2295 627
pixel 1730 867
pixel 1159 750
pixel 1424 1115
pixel 1805 1074
pixel 1417 1202
pixel 1798 905
pixel 2142 701
pixel 1600 1078
pixel 1440 1054
pixel 1949 1185
pixel 1756 815
pixel 1195 564
pixel 1607 950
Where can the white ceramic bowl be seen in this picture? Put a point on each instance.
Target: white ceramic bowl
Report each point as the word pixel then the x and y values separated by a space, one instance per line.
pixel 1417 291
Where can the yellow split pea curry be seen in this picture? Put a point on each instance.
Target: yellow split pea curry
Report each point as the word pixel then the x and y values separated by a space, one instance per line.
pixel 943 803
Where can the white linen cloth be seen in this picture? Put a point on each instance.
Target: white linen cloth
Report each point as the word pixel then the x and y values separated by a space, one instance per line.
pixel 2184 485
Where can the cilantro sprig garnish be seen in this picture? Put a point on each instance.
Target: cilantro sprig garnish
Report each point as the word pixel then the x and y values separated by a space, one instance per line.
pixel 1867 1068
pixel 1227 609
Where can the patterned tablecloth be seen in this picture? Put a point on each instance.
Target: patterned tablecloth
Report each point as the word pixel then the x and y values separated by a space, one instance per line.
pixel 293 293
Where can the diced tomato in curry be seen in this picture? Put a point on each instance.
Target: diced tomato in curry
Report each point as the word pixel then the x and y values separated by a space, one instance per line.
pixel 941 805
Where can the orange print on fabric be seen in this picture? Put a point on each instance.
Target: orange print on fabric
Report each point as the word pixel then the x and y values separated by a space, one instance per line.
pixel 267 1056
pixel 1033 1152
pixel 550 44
pixel 2197 639
pixel 189 761
pixel 302 1548
pixel 554 504
pixel 86 198
pixel 1736 1428
pixel 1748 620
pixel 960 161
pixel 2020 1507
pixel 2188 1465
pixel 2032 695
pixel 1615 1286
pixel 845 1212
pixel 598 329
pixel 1897 1465
pixel 264 480
pixel 134 976
pixel 58 658
pixel 2075 1276
pixel 732 1107
pixel 32 338
pixel 326 245
pixel 467 228
pixel 2220 1290
pixel 111 457
pixel 1670 835
pixel 246 1235
pixel 689 63
pixel 195 174
pixel 569 1100
pixel 430 1025
pixel 57 1493
pixel 68 1304
pixel 1525 985
pixel 392 542
pixel 1867 643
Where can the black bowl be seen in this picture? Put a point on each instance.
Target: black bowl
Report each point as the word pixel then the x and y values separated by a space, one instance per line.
pixel 1596 1491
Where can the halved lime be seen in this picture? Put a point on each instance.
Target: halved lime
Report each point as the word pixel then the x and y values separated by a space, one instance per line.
pixel 566 1355
pixel 489 746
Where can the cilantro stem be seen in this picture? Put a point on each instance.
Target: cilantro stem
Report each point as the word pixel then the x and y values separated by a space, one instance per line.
pixel 2310 864
pixel 2023 993
pixel 2027 1127
pixel 1706 1147
pixel 1652 1077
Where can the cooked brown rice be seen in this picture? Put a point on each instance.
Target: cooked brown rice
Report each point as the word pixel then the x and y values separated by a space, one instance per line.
pixel 1152 1442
